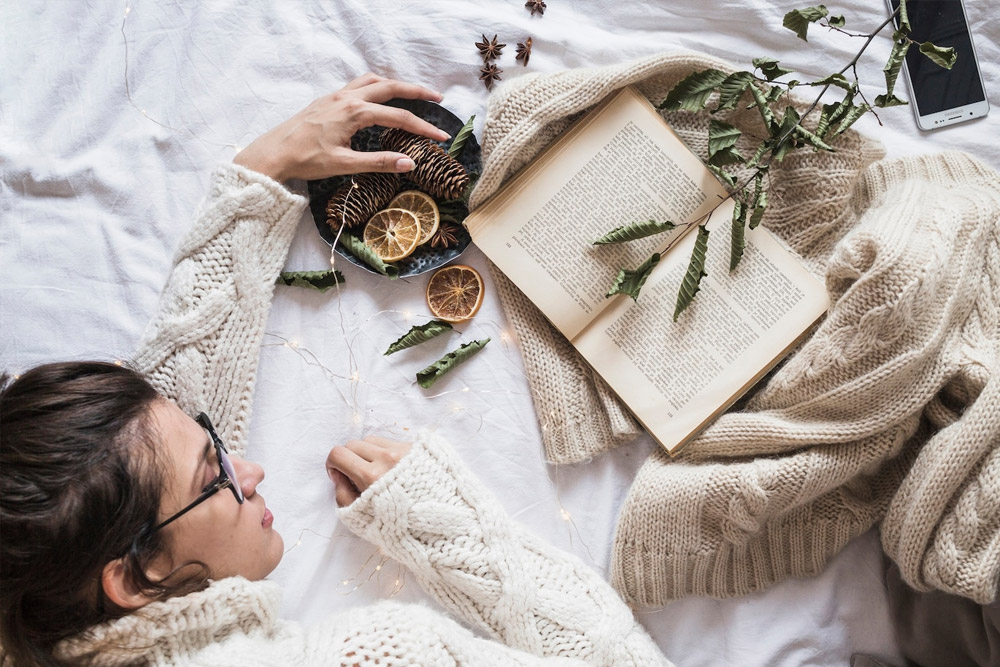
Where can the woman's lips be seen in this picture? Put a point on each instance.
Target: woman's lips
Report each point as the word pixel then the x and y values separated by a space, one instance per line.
pixel 268 518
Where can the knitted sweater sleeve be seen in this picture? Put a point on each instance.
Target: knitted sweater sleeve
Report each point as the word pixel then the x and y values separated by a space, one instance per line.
pixel 201 347
pixel 432 515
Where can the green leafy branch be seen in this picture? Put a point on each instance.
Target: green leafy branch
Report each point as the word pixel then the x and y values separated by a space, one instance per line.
pixel 784 132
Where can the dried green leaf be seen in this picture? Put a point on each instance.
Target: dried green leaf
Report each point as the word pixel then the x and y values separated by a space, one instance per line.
pixel 811 138
pixel 759 153
pixel 635 230
pixel 893 65
pixel 798 20
pixel 943 56
pixel 695 272
pixel 836 79
pixel 853 113
pixel 721 140
pixel 885 101
pixel 835 113
pixel 738 239
pixel 769 68
pixel 828 115
pixel 721 135
pixel 363 251
pixel 631 282
pixel 789 122
pixel 904 18
pixel 458 143
pixel 448 362
pixel 726 156
pixel 765 111
pixel 836 21
pixel 782 149
pixel 726 177
pixel 693 91
pixel 420 333
pixel 732 89
pixel 759 201
pixel 317 280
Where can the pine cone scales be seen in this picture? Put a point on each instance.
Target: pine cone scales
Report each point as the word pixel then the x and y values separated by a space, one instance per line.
pixel 437 173
pixel 355 206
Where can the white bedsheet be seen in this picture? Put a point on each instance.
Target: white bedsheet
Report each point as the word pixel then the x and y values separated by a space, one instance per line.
pixel 97 189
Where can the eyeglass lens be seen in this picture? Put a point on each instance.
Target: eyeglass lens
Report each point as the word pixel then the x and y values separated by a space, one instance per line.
pixel 227 466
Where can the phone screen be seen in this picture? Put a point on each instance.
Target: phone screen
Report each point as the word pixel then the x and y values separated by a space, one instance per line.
pixel 936 88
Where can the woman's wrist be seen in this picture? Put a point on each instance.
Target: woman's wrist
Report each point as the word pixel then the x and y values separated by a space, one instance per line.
pixel 255 159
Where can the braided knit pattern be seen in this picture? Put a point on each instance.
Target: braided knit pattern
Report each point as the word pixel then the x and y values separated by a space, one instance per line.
pixel 444 526
pixel 546 607
pixel 201 348
pixel 889 412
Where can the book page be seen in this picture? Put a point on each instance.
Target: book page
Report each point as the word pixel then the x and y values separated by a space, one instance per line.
pixel 623 165
pixel 677 376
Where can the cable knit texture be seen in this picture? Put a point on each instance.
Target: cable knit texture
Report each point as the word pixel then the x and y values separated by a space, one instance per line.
pixel 201 347
pixel 435 518
pixel 542 606
pixel 889 412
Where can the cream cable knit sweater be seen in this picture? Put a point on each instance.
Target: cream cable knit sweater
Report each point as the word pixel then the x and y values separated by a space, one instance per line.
pixel 891 411
pixel 542 606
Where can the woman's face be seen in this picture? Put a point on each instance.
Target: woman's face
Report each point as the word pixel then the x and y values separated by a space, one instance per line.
pixel 230 538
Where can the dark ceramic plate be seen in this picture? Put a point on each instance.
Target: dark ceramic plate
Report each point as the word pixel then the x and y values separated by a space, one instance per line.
pixel 425 257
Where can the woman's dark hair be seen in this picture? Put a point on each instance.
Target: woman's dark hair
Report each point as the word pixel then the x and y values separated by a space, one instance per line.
pixel 79 488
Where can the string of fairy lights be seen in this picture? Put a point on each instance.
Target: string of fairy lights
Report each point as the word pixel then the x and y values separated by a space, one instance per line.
pixel 373 567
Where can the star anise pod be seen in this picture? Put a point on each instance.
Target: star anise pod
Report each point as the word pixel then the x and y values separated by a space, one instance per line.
pixel 523 51
pixel 489 49
pixel 489 73
pixel 536 6
pixel 445 237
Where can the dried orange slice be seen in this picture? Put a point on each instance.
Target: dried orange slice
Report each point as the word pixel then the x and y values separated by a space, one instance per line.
pixel 393 233
pixel 423 206
pixel 455 293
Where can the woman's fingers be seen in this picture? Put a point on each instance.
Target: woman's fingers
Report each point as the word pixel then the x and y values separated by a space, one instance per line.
pixel 355 468
pixel 367 450
pixel 346 492
pixel 384 90
pixel 376 114
pixel 357 162
pixel 316 142
pixel 361 463
pixel 363 80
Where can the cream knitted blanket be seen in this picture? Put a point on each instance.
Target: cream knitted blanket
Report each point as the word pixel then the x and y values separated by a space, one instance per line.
pixel 890 411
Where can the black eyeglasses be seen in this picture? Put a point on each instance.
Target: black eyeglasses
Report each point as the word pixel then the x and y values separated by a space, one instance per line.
pixel 227 474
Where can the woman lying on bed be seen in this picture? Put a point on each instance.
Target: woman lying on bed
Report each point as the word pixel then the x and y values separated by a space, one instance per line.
pixel 133 531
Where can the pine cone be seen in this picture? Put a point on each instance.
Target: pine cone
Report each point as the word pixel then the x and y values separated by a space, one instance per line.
pixel 437 173
pixel 355 206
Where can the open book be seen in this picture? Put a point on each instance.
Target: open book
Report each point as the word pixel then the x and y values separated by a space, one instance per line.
pixel 619 164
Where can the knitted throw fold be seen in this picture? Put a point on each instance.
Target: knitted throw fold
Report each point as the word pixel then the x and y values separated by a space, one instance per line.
pixel 890 411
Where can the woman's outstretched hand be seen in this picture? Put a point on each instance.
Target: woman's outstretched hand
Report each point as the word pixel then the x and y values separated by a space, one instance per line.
pixel 358 464
pixel 316 142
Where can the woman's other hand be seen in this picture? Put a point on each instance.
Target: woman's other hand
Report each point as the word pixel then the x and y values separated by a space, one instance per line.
pixel 316 142
pixel 358 464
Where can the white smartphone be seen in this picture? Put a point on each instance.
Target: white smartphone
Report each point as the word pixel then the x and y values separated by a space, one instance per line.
pixel 942 97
